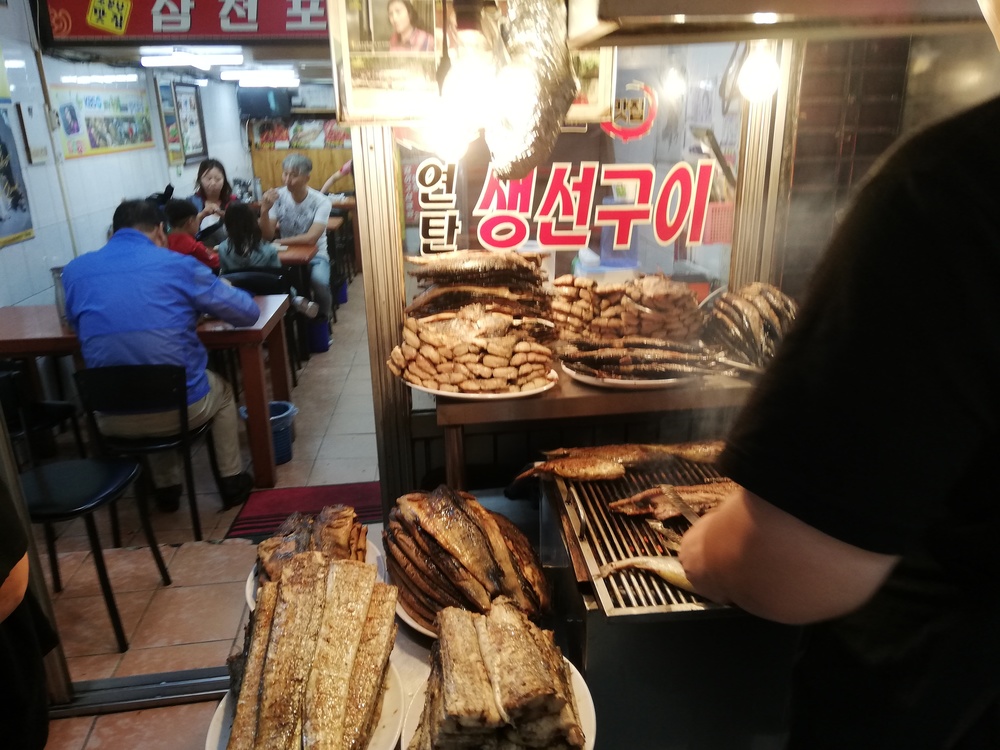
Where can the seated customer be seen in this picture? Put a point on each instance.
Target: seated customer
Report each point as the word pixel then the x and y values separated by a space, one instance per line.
pixel 183 218
pixel 133 304
pixel 245 250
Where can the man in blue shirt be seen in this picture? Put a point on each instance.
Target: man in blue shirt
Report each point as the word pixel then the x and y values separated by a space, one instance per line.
pixel 133 302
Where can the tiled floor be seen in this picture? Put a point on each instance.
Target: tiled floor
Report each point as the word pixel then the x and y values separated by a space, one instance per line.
pixel 197 621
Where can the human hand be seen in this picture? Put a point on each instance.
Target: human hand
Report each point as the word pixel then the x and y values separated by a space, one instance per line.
pixel 269 199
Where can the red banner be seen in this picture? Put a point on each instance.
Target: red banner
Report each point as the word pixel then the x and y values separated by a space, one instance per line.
pixel 165 21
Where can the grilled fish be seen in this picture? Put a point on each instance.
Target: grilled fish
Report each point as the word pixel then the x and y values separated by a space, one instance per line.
pixel 611 461
pixel 658 501
pixel 667 568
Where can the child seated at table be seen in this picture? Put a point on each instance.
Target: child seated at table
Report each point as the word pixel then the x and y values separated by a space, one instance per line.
pixel 245 250
pixel 183 218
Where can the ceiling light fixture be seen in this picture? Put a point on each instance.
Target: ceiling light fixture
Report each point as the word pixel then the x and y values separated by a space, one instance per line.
pixel 760 74
pixel 117 78
pixel 13 63
pixel 183 58
pixel 262 77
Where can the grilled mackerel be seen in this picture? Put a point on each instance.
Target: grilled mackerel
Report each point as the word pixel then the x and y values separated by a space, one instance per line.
pixel 658 502
pixel 243 734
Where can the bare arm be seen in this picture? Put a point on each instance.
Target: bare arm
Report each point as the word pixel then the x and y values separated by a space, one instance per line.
pixel 316 231
pixel 13 588
pixel 266 223
pixel 766 561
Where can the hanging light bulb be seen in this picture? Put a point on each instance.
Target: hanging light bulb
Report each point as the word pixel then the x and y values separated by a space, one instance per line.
pixel 759 75
pixel 674 85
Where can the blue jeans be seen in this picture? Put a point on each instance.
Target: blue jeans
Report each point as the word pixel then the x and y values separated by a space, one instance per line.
pixel 319 281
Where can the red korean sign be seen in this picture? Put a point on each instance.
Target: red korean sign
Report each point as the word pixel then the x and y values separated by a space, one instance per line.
pixel 186 20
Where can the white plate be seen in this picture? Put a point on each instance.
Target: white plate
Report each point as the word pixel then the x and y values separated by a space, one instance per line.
pixel 383 738
pixel 553 379
pixel 405 617
pixel 645 384
pixel 584 707
pixel 372 556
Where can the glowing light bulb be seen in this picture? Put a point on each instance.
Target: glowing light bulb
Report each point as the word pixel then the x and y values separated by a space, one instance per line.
pixel 759 75
pixel 674 85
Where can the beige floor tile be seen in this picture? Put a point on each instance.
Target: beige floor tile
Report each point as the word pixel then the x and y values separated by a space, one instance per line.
pixel 349 446
pixel 92 667
pixel 69 734
pixel 197 561
pixel 69 562
pixel 84 626
pixel 352 423
pixel 295 473
pixel 343 471
pixel 173 658
pixel 131 569
pixel 171 728
pixel 191 614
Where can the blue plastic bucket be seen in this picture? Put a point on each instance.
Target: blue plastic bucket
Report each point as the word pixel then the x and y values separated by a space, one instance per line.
pixel 342 293
pixel 319 336
pixel 282 419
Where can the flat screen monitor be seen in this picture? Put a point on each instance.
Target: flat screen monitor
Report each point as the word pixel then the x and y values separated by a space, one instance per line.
pixel 263 103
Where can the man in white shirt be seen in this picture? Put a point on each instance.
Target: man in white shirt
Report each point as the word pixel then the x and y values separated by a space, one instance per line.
pixel 301 213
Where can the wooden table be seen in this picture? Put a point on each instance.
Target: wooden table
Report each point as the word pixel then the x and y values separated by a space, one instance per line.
pixel 36 331
pixel 297 258
pixel 569 399
pixel 350 203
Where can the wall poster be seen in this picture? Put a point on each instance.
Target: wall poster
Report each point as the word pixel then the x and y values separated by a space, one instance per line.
pixel 15 216
pixel 187 100
pixel 95 121
pixel 171 128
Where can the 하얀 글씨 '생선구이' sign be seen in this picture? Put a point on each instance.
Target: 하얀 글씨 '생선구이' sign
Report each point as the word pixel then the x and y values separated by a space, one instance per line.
pixel 567 209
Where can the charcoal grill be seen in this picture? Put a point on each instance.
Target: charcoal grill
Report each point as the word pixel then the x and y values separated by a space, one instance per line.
pixel 601 536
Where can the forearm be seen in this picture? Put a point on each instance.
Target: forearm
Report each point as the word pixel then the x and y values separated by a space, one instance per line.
pixel 13 588
pixel 266 225
pixel 308 238
pixel 754 555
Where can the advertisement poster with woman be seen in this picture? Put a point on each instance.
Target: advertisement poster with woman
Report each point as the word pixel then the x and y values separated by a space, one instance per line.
pixel 15 216
pixel 101 121
pixel 389 50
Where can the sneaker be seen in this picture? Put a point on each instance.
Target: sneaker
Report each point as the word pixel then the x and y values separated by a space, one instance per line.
pixel 235 490
pixel 305 306
pixel 168 499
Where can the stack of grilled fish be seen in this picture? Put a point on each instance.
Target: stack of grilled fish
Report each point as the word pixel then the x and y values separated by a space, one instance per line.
pixel 642 358
pixel 750 323
pixel 497 681
pixel 444 549
pixel 502 282
pixel 335 531
pixel 317 657
pixel 473 350
pixel 652 306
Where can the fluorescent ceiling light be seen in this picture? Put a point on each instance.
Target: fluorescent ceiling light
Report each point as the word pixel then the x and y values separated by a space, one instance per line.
pixel 765 18
pixel 178 59
pixel 219 49
pixel 203 82
pixel 262 77
pixel 117 78
pixel 13 63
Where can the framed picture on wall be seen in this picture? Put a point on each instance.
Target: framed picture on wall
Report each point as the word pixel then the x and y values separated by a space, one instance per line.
pixel 168 119
pixel 190 122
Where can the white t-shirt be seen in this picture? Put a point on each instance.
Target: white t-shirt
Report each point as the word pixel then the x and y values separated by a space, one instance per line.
pixel 298 218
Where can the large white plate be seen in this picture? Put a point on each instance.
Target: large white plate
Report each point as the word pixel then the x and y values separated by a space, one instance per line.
pixel 633 385
pixel 384 737
pixel 584 707
pixel 372 556
pixel 405 617
pixel 553 379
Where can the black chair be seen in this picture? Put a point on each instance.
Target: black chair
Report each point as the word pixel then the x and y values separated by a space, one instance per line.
pixel 25 416
pixel 273 281
pixel 124 389
pixel 66 490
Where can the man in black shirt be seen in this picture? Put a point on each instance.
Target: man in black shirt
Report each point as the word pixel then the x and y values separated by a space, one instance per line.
pixel 870 508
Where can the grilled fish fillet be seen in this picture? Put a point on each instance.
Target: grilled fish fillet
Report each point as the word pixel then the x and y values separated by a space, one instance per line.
pixel 667 568
pixel 243 734
pixel 657 501
pixel 605 462
pixel 294 631
pixel 467 694
pixel 331 532
pixel 371 663
pixel 348 592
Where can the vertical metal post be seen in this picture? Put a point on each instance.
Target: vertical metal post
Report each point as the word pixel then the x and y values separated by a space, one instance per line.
pixel 379 206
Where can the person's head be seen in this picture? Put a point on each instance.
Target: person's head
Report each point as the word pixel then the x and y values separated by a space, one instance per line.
pixel 182 215
pixel 295 172
pixel 212 183
pixel 402 16
pixel 143 216
pixel 991 12
pixel 242 228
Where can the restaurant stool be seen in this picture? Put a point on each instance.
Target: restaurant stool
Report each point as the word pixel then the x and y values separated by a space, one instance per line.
pixel 66 490
pixel 26 416
pixel 124 389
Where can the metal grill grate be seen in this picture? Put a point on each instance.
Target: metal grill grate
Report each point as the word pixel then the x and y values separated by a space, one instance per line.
pixel 604 537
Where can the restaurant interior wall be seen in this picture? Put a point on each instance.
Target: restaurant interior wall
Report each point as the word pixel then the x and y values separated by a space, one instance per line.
pixel 83 217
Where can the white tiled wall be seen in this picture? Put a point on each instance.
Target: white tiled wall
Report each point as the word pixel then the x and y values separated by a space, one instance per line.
pixel 77 223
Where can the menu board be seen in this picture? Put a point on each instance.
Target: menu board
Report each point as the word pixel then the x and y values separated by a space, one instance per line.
pixel 300 134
